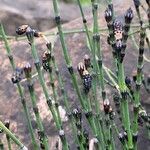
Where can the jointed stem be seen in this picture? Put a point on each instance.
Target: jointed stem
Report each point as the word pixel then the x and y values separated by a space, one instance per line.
pixel 8 142
pixel 65 99
pixel 85 25
pixel 49 99
pixel 65 52
pixel 7 125
pixel 51 76
pixel 138 84
pixel 94 83
pixel 20 89
pixel 124 104
pixel 42 134
pixel 12 136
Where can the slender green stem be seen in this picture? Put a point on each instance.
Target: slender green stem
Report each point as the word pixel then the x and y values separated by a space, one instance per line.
pixel 12 136
pixel 94 84
pixel 97 54
pixel 124 146
pixel 8 142
pixel 85 24
pixel 7 124
pixel 27 116
pixel 65 98
pixel 137 47
pixel 49 99
pixel 138 84
pixel 124 104
pixel 90 117
pixel 42 134
pixel 112 139
pixel 65 52
pixel 72 31
pixel 66 56
pixel 42 82
pixel 51 77
pixel 20 89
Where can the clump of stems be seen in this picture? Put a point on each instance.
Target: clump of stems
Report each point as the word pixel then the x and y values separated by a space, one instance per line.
pixel 12 136
pixel 138 83
pixel 41 133
pixel 96 107
pixel 20 88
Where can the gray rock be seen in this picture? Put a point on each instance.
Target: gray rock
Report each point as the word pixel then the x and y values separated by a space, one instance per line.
pixel 38 14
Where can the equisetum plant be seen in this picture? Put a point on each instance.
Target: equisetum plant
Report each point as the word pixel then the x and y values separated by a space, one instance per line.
pixel 90 83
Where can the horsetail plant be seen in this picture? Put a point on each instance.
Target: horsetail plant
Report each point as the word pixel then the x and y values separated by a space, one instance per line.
pixel 97 50
pixel 91 49
pixel 7 124
pixel 85 25
pixel 78 122
pixel 12 136
pixel 20 89
pixel 94 76
pixel 86 80
pixel 30 33
pixel 66 55
pixel 109 17
pixel 65 51
pixel 98 63
pixel 65 97
pixel 119 50
pixel 47 65
pixel 138 84
pixel 41 133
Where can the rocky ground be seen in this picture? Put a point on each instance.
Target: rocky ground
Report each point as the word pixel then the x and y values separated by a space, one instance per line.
pixel 32 13
pixel 38 14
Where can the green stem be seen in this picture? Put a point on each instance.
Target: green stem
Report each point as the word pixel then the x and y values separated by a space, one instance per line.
pixel 7 124
pixel 85 24
pixel 49 99
pixel 66 56
pixel 36 112
pixel 65 98
pixel 12 136
pixel 138 84
pixel 8 142
pixel 124 104
pixel 65 52
pixel 53 87
pixel 72 31
pixel 124 146
pixel 42 82
pixel 20 89
pixel 97 63
pixel 137 47
pixel 27 116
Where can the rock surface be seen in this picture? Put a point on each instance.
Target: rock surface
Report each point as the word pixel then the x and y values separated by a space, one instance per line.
pixel 38 14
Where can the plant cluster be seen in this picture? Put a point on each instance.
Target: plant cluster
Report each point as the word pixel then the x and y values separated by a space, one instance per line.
pixel 97 108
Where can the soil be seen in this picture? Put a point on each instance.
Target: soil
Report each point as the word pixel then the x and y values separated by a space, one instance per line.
pixel 10 105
